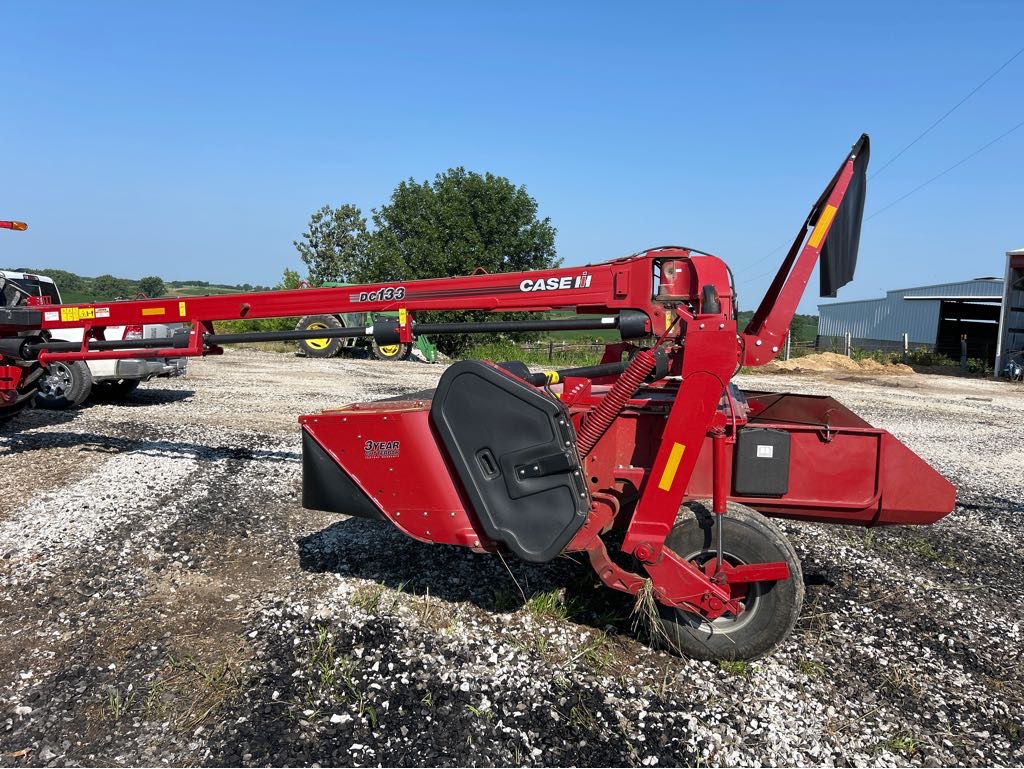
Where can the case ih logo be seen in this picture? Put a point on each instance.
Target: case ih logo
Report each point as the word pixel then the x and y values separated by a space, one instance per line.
pixel 556 284
pixel 382 449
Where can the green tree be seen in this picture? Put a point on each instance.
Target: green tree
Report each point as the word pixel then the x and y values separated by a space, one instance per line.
pixel 459 222
pixel 334 245
pixel 109 287
pixel 290 279
pixel 152 286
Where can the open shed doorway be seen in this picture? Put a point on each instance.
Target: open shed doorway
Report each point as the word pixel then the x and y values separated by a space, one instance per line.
pixel 979 321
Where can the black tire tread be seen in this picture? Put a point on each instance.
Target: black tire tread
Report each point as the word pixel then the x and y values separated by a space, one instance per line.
pixel 782 600
pixel 333 346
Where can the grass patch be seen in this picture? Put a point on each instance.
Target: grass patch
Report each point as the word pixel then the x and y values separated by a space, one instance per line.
pixel 118 704
pixel 538 354
pixel 811 668
pixel 205 686
pixel 903 742
pixel 925 550
pixel 738 668
pixel 549 605
pixel 372 599
pixel 598 653
pixel 901 679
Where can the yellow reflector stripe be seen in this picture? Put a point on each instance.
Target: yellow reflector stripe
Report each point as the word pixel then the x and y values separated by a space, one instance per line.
pixel 181 309
pixel 822 226
pixel 153 311
pixel 669 474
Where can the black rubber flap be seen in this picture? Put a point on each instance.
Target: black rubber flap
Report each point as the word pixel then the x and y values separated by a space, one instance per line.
pixel 326 486
pixel 761 462
pixel 514 450
pixel 839 253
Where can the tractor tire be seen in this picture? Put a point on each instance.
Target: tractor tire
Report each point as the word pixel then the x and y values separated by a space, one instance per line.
pixel 319 348
pixel 64 385
pixel 771 608
pixel 391 351
pixel 116 390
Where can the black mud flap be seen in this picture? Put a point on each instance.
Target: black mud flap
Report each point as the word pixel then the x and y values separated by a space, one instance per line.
pixel 761 462
pixel 326 486
pixel 514 450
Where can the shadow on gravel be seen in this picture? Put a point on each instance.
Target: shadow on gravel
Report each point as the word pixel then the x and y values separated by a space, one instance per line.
pixel 111 444
pixel 150 396
pixel 377 551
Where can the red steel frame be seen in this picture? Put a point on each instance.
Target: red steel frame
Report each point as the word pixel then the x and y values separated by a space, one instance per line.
pixel 704 348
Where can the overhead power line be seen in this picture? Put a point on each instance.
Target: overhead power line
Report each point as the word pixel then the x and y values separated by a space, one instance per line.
pixel 943 173
pixel 948 112
pixel 903 197
pixel 924 133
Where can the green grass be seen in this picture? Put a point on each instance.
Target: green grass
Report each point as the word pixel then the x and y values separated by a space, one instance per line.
pixel 549 605
pixel 904 741
pixel 738 668
pixel 537 354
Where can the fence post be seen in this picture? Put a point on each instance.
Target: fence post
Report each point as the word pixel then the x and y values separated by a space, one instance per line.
pixel 963 351
pixel 551 351
pixel 789 336
pixel 906 346
pixel 849 346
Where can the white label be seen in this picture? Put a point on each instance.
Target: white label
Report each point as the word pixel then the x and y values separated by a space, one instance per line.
pixel 765 452
pixel 102 312
pixel 51 315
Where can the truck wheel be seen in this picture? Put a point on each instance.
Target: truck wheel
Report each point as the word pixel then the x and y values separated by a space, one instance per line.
pixel 64 385
pixel 391 351
pixel 770 608
pixel 319 348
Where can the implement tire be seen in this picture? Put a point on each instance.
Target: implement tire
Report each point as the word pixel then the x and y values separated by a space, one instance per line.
pixel 771 608
pixel 319 348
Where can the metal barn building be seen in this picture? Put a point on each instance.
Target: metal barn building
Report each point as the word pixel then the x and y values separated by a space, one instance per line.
pixel 935 317
pixel 1011 321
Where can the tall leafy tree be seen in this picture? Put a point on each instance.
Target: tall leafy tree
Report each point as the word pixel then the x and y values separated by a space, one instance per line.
pixel 459 222
pixel 152 285
pixel 334 245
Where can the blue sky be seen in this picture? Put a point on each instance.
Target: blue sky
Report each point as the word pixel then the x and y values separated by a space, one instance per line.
pixel 193 140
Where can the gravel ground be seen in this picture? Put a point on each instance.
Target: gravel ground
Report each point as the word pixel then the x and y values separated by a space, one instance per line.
pixel 165 599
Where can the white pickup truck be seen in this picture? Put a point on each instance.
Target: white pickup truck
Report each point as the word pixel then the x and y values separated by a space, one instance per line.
pixel 69 384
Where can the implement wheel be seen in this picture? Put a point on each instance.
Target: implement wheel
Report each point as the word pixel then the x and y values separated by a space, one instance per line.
pixel 770 608
pixel 319 348
pixel 391 351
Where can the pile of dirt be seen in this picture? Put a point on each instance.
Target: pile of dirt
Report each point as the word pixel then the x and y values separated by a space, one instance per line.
pixel 830 361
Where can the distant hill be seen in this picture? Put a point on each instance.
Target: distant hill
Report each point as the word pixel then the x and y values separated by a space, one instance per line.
pixel 79 289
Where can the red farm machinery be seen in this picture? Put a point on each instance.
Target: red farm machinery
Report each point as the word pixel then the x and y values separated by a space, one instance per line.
pixel 650 462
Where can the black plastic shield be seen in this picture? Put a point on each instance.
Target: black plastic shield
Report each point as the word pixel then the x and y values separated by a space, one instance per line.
pixel 839 253
pixel 513 449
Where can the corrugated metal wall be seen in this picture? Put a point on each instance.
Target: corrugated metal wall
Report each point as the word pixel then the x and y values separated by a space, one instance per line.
pixel 988 287
pixel 884 319
pixel 889 318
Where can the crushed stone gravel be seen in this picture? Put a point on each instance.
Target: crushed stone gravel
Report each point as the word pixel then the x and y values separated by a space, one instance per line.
pixel 164 598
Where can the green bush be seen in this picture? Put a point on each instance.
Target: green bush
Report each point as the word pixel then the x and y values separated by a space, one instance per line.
pixel 507 350
pixel 881 356
pixel 922 356
pixel 267 324
pixel 978 366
